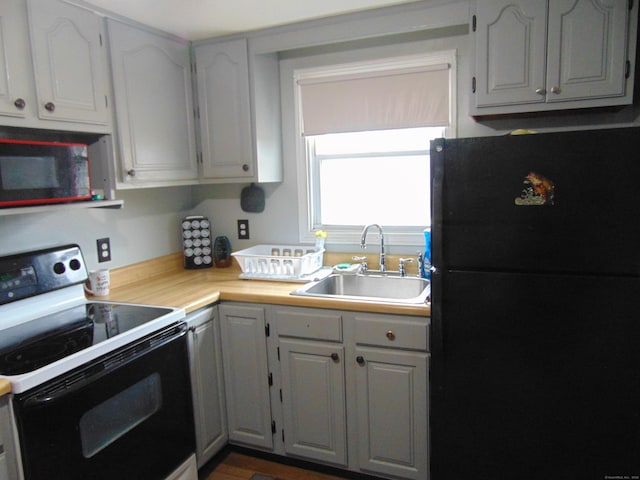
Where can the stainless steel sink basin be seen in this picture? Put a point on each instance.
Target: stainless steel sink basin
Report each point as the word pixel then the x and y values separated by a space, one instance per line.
pixel 374 288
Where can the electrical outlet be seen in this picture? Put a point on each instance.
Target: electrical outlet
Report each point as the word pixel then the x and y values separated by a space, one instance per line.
pixel 104 249
pixel 243 229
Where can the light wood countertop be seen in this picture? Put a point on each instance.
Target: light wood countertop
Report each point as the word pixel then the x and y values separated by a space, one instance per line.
pixel 165 282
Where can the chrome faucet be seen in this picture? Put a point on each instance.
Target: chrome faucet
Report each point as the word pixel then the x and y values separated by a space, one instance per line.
pixel 363 244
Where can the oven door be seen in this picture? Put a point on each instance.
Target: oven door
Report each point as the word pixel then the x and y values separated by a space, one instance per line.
pixel 126 415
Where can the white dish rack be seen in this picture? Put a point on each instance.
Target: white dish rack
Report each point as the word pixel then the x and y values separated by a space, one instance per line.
pixel 279 262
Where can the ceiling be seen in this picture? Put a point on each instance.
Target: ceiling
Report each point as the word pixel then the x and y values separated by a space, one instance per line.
pixel 200 19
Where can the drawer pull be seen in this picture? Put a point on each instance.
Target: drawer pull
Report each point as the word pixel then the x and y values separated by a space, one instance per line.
pixel 360 360
pixel 335 357
pixel 391 335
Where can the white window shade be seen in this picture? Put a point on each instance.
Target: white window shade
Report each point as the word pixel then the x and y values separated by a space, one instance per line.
pixel 376 100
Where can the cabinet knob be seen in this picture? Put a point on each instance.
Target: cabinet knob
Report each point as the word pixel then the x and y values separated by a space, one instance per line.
pixel 50 107
pixel 555 90
pixel 335 357
pixel 541 91
pixel 360 360
pixel 20 103
pixel 391 335
pixel 245 167
pixel 131 173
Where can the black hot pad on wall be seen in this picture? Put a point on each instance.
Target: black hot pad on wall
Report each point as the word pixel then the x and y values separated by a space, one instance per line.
pixel 252 199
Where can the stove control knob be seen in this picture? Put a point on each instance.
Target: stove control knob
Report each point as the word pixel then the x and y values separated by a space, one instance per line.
pixel 59 268
pixel 75 264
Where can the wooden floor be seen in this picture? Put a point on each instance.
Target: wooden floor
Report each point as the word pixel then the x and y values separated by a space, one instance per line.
pixel 234 465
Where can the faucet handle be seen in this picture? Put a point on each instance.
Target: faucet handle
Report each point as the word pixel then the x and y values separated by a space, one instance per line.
pixel 363 265
pixel 401 267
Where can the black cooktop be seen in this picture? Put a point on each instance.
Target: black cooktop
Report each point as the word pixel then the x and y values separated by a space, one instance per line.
pixel 34 344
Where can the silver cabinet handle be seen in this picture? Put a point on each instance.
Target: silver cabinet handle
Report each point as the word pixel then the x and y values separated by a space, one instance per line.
pixel 555 90
pixel 541 91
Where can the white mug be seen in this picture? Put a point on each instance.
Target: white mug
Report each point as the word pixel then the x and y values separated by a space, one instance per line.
pixel 99 283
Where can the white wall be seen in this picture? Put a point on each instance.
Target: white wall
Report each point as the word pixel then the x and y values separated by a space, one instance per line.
pixel 148 226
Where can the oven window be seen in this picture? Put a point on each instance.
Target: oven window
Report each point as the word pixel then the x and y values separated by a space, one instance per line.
pixel 25 173
pixel 110 420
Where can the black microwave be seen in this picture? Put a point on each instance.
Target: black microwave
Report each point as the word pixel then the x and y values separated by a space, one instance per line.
pixel 34 173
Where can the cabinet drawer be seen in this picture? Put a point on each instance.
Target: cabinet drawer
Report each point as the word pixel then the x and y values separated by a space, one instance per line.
pixel 393 332
pixel 315 324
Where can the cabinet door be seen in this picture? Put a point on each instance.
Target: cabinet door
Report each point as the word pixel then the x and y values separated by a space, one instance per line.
pixel 207 386
pixel 246 375
pixel 313 400
pixel 510 42
pixel 15 77
pixel 70 62
pixel 8 457
pixel 392 421
pixel 587 49
pixel 224 106
pixel 154 106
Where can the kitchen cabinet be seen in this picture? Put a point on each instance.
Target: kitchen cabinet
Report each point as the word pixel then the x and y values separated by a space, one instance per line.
pixel 207 383
pixel 390 362
pixel 53 67
pixel 341 388
pixel 16 77
pixel 154 108
pixel 313 384
pixel 538 55
pixel 246 374
pixel 69 62
pixel 8 458
pixel 186 471
pixel 239 113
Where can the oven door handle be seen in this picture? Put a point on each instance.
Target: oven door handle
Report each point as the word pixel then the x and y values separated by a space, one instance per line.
pixel 68 384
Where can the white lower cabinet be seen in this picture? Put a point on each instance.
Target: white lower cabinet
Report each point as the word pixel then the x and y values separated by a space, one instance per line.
pixel 187 471
pixel 345 389
pixel 246 374
pixel 391 391
pixel 8 455
pixel 207 383
pixel 355 389
pixel 313 384
pixel 391 368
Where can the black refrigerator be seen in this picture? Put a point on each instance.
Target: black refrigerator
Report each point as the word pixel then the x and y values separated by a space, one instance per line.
pixel 536 307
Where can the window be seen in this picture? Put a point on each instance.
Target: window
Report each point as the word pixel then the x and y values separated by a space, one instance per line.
pixel 365 130
pixel 382 175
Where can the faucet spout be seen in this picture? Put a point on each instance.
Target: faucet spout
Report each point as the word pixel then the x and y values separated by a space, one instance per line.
pixel 363 244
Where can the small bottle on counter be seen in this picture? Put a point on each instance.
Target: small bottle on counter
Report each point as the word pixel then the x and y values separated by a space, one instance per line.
pixel 425 264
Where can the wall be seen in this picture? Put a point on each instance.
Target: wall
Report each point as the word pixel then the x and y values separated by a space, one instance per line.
pixel 148 226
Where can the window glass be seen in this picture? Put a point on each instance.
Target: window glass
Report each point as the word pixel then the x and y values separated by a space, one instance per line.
pixel 372 177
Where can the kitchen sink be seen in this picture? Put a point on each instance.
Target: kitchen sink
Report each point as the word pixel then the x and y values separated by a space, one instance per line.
pixel 373 288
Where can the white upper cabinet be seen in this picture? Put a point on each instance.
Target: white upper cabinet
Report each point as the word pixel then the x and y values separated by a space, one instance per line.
pixel 225 118
pixel 15 72
pixel 70 63
pixel 535 55
pixel 154 108
pixel 239 113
